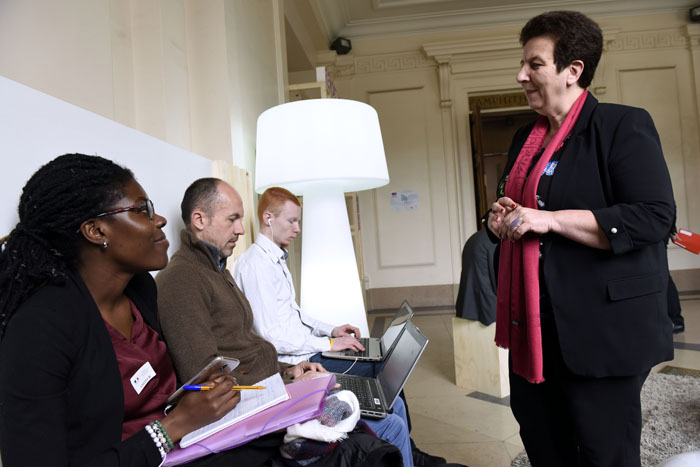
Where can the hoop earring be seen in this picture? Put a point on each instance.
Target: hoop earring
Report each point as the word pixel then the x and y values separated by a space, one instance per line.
pixel 104 245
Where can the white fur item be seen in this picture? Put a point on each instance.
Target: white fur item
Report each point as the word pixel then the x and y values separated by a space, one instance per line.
pixel 313 429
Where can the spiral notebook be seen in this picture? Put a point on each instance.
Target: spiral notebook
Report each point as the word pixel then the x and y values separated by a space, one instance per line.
pixel 251 403
pixel 306 402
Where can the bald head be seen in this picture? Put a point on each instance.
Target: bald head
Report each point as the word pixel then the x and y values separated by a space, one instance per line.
pixel 200 195
pixel 213 212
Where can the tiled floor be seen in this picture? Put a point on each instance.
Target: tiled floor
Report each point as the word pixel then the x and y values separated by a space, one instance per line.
pixel 463 429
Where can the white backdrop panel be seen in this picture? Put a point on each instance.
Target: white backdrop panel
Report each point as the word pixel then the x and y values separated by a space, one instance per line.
pixel 35 128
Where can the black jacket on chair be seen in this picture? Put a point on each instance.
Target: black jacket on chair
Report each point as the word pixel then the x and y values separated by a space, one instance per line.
pixel 610 306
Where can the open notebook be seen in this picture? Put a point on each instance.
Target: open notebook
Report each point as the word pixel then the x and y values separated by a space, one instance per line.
pixel 251 403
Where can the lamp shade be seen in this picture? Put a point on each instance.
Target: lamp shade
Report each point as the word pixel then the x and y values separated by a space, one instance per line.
pixel 328 141
pixel 321 148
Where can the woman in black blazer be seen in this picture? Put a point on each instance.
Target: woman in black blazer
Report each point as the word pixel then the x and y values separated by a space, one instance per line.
pixel 72 274
pixel 585 206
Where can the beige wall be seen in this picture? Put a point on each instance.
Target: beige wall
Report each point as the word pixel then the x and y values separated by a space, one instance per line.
pixel 420 86
pixel 194 73
pixel 59 48
pixel 406 247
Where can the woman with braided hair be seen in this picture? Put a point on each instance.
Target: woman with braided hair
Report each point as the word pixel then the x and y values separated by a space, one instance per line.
pixel 84 375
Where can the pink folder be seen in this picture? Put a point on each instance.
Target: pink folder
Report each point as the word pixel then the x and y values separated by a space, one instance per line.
pixel 307 399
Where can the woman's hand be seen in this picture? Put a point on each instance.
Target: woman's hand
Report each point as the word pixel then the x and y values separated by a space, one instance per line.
pixel 520 221
pixel 510 221
pixel 199 408
pixel 499 210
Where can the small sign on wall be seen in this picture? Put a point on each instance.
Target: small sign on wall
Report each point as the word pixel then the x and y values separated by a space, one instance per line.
pixel 406 200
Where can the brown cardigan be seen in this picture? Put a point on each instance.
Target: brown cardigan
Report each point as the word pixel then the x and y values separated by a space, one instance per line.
pixel 204 314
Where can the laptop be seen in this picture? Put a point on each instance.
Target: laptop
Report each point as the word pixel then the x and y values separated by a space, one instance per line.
pixel 377 395
pixel 377 349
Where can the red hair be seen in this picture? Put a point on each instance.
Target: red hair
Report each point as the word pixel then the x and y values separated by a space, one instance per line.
pixel 273 199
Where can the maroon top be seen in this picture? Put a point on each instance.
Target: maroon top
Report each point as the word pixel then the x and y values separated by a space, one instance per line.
pixel 144 346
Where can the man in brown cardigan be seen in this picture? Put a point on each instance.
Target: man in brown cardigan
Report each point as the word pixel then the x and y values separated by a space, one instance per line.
pixel 203 313
pixel 200 306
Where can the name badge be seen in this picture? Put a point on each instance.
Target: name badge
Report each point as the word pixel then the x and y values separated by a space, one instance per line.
pixel 142 377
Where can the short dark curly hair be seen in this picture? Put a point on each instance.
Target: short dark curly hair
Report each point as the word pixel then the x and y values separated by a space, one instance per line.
pixel 575 36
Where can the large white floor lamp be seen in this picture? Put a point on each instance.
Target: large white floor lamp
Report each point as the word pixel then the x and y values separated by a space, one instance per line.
pixel 320 149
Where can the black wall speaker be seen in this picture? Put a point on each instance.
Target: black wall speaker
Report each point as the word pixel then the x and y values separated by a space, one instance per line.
pixel 695 14
pixel 341 45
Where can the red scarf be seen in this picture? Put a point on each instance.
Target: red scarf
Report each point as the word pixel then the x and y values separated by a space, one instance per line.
pixel 518 306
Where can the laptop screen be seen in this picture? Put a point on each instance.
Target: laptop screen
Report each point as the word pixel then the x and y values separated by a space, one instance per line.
pixel 397 368
pixel 403 314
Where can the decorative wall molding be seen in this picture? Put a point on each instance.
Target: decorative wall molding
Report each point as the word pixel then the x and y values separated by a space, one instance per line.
pixel 444 75
pixel 451 52
pixel 498 101
pixel 624 42
pixel 693 32
pixel 379 64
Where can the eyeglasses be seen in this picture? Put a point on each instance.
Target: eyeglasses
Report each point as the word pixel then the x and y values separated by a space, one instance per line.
pixel 146 207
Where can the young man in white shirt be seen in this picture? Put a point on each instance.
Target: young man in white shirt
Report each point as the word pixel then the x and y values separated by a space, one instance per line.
pixel 262 274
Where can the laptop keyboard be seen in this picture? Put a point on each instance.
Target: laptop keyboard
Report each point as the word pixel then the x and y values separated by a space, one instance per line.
pixel 352 353
pixel 359 387
pixel 365 353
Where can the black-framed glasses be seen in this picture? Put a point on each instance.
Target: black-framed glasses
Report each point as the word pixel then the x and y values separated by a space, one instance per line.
pixel 146 207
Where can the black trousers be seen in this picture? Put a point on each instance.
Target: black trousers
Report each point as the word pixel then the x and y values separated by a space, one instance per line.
pixel 575 421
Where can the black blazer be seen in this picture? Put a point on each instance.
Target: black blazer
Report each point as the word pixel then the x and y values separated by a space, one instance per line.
pixel 610 306
pixel 61 396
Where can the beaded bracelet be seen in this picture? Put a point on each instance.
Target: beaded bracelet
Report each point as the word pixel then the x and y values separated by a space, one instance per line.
pixel 171 445
pixel 160 438
pixel 154 437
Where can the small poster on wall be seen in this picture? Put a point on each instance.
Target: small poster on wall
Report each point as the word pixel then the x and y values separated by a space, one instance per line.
pixel 406 200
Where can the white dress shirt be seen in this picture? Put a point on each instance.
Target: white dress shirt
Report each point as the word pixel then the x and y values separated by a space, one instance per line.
pixel 262 274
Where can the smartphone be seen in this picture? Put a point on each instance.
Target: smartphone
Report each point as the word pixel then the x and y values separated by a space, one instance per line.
pixel 218 364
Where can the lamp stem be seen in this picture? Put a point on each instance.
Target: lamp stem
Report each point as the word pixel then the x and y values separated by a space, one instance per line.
pixel 330 284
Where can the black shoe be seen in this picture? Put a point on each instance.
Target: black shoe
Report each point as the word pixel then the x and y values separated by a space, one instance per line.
pixel 421 458
pixel 676 329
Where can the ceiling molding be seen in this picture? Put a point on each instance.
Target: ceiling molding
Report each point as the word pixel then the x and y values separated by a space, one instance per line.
pixel 454 48
pixel 386 4
pixel 384 18
pixel 494 47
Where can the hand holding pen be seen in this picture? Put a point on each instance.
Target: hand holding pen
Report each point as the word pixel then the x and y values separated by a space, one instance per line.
pixel 198 408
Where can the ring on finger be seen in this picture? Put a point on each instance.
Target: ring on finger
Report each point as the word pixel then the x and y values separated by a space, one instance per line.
pixel 516 223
